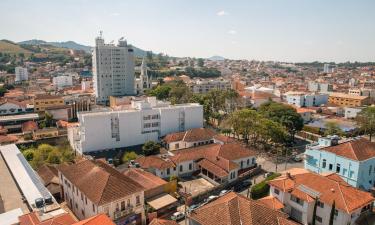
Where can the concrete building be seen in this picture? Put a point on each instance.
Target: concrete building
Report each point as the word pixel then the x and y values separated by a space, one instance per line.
pixel 143 121
pixel 348 100
pixel 314 86
pixel 298 190
pixel 302 99
pixel 42 102
pixel 62 81
pixel 113 70
pixel 79 103
pixel 204 86
pixel 21 74
pixel 328 68
pixel 93 187
pixel 352 112
pixel 9 107
pixel 352 160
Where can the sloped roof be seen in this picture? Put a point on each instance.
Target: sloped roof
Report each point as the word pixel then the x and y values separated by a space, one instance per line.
pixel 100 219
pixel 154 162
pixel 33 219
pixel 99 182
pixel 49 174
pixel 193 135
pixel 358 149
pixel 144 178
pixel 329 188
pixel 158 221
pixel 235 209
pixel 271 202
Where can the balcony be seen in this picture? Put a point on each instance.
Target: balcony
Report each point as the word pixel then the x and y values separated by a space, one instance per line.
pixel 128 210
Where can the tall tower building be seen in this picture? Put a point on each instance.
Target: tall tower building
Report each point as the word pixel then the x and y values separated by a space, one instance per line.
pixel 113 70
pixel 143 83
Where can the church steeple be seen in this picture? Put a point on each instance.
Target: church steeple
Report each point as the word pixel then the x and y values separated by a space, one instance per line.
pixel 144 76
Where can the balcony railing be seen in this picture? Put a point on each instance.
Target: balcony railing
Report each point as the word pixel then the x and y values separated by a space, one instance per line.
pixel 128 210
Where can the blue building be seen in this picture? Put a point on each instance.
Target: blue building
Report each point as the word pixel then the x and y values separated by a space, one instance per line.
pixel 353 160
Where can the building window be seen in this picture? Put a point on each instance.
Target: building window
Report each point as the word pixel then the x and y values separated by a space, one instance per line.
pixel 168 171
pixel 276 191
pixel 330 167
pixel 324 163
pixel 180 168
pixel 138 200
pixel 338 168
pixel 320 204
pixel 248 161
pixel 177 146
pixel 296 200
pixel 122 205
pixel 93 207
pixel 128 203
pixel 319 219
pixel 190 166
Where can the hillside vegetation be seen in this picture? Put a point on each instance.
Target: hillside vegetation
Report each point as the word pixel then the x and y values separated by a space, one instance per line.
pixel 12 48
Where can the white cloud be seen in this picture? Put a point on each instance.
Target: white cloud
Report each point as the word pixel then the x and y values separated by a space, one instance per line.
pixel 114 14
pixel 222 13
pixel 232 32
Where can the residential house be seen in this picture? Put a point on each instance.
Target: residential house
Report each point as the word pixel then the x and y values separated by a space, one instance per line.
pixel 9 107
pixel 298 190
pixel 92 187
pixel 353 160
pixel 190 138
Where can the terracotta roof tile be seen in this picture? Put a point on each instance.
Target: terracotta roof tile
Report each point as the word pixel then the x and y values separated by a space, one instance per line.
pixel 100 219
pixel 98 181
pixel 193 135
pixel 144 178
pixel 271 202
pixel 155 162
pixel 33 219
pixel 158 221
pixel 358 150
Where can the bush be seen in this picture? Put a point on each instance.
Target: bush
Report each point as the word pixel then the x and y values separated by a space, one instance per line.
pixel 262 189
pixel 129 156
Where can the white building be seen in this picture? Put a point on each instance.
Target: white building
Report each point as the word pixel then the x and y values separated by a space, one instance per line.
pixel 328 68
pixel 93 187
pixel 204 86
pixel 21 74
pixel 298 190
pixel 113 70
pixel 301 99
pixel 62 81
pixel 352 112
pixel 314 86
pixel 143 121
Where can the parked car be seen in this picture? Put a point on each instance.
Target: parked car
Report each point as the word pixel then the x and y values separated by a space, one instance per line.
pixel 133 163
pixel 267 174
pixel 298 158
pixel 211 198
pixel 223 192
pixel 192 208
pixel 178 216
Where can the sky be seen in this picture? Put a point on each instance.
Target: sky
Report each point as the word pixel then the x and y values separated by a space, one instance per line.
pixel 281 30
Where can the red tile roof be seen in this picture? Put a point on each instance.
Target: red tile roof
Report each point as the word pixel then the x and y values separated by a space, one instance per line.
pixel 346 197
pixel 358 150
pixel 271 202
pixel 144 178
pixel 8 138
pixel 100 219
pixel 235 209
pixel 99 182
pixel 155 162
pixel 193 135
pixel 29 126
pixel 33 219
pixel 158 221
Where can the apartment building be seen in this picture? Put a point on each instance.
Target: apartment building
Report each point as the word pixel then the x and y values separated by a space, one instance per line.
pixel 298 190
pixel 302 99
pixel 314 86
pixel 348 100
pixel 62 81
pixel 113 70
pixel 204 86
pixel 93 187
pixel 353 160
pixel 21 74
pixel 219 162
pixel 42 102
pixel 142 121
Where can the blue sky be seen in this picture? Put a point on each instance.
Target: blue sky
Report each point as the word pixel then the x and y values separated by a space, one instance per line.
pixel 284 30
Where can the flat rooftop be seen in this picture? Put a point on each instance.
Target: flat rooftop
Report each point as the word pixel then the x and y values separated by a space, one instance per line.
pixel 27 179
pixel 28 116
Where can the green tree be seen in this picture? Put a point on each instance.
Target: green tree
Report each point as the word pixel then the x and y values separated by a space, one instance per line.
pixel 332 215
pixel 366 121
pixel 150 148
pixel 200 62
pixel 332 128
pixel 161 92
pixel 3 91
pixel 283 114
pixel 48 119
pixel 28 154
pixel 54 157
pixel 129 156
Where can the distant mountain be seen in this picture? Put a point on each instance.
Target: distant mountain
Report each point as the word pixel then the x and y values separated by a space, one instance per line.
pixel 12 48
pixel 64 44
pixel 216 58
pixel 73 45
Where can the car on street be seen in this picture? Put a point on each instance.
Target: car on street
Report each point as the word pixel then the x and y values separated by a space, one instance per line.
pixel 223 192
pixel 192 208
pixel 178 216
pixel 211 198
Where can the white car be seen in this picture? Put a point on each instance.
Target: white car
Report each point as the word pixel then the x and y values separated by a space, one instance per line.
pixel 178 216
pixel 223 192
pixel 211 198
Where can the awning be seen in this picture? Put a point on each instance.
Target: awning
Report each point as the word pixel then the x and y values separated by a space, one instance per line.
pixel 161 201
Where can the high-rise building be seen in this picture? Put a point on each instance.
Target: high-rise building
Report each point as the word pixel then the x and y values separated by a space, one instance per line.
pixel 113 70
pixel 329 68
pixel 21 74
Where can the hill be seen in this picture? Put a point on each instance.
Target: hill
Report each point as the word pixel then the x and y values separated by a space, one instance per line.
pixel 216 58
pixel 12 48
pixel 64 44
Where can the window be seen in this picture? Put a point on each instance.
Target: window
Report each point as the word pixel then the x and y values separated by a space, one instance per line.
pixel 181 168
pixel 138 200
pixel 296 200
pixel 122 205
pixel 320 204
pixel 319 219
pixel 190 166
pixel 338 168
pixel 177 146
pixel 276 191
pixel 168 171
pixel 324 163
pixel 330 167
pixel 128 203
pixel 248 161
pixel 86 200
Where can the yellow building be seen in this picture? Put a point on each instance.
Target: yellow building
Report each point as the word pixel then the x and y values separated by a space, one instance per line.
pixel 41 102
pixel 345 100
pixel 45 133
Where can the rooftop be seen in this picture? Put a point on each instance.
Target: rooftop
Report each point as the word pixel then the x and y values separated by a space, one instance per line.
pixel 197 134
pixel 355 149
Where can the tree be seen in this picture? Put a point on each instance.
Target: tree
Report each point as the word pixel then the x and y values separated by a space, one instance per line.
pixel 332 128
pixel 200 62
pixel 366 121
pixel 3 91
pixel 161 92
pixel 283 114
pixel 54 157
pixel 332 215
pixel 28 154
pixel 150 148
pixel 128 156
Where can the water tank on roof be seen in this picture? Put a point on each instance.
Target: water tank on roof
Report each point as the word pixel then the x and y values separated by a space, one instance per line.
pixel 39 202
